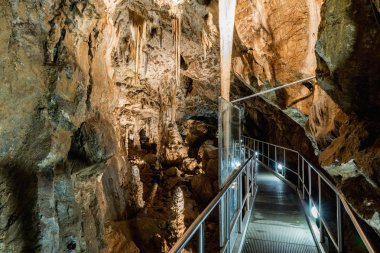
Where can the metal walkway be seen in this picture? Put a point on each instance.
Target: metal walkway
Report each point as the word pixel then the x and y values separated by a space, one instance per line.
pixel 268 202
pixel 278 223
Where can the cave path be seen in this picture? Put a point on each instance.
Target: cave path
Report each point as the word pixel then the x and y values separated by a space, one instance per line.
pixel 278 223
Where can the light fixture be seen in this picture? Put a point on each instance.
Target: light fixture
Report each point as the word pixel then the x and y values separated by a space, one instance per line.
pixel 279 167
pixel 314 212
pixel 256 154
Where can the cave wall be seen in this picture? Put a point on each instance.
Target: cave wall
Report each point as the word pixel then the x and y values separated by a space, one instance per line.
pixel 75 116
pixel 347 54
pixel 336 114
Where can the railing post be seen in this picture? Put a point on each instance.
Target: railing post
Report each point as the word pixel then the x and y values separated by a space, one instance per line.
pixel 284 170
pixel 298 172
pixel 339 224
pixel 201 235
pixel 227 227
pixel 309 170
pixel 268 156
pixel 303 179
pixel 247 171
pixel 275 157
pixel 320 209
pixel 240 201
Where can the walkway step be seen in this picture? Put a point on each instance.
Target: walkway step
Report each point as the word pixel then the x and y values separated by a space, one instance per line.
pixel 259 246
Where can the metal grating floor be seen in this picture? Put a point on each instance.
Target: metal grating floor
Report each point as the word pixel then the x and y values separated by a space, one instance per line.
pixel 278 224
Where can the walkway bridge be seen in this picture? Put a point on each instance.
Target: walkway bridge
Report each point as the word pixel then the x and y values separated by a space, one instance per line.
pixel 272 199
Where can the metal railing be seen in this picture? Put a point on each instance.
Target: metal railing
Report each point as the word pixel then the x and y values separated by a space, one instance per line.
pixel 244 180
pixel 299 173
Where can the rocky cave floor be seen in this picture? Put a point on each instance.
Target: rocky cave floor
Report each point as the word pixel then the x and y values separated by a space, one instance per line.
pixel 168 194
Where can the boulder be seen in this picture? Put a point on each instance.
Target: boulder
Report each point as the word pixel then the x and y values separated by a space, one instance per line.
pixel 189 164
pixel 202 188
pixel 94 141
pixel 173 172
pixel 150 159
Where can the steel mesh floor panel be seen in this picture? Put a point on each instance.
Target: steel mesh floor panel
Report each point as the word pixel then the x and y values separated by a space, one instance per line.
pixel 281 233
pixel 259 246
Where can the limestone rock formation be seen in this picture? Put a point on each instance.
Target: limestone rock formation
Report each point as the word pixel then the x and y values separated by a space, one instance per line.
pixel 176 223
pixel 135 189
pixel 103 115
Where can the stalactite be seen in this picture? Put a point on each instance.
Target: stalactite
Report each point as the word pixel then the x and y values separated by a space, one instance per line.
pixel 206 43
pixel 209 34
pixel 176 25
pixel 139 35
pixel 161 37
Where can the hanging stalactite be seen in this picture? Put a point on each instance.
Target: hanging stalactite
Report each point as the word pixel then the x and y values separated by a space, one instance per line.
pixel 176 26
pixel 138 31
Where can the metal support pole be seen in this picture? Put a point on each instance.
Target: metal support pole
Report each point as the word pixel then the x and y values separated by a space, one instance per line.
pixel 303 179
pixel 227 214
pixel 247 171
pixel 339 224
pixel 298 172
pixel 320 209
pixel 240 201
pixel 275 157
pixel 201 235
pixel 268 155
pixel 284 170
pixel 309 170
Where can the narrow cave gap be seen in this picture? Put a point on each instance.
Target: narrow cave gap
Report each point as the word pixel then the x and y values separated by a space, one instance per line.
pixel 183 63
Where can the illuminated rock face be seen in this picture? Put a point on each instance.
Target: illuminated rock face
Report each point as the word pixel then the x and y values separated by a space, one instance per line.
pixel 76 117
pixel 339 114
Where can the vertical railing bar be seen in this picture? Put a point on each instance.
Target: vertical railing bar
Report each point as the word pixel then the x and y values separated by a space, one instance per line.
pixel 284 169
pixel 320 209
pixel 227 227
pixel 303 179
pixel 339 224
pixel 247 172
pixel 309 170
pixel 268 155
pixel 298 172
pixel 275 156
pixel 240 196
pixel 201 234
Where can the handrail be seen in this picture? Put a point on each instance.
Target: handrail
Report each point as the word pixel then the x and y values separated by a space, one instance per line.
pixel 273 89
pixel 339 196
pixel 198 223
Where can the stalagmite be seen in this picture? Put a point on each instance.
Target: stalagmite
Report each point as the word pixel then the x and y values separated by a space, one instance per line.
pixel 135 189
pixel 151 197
pixel 176 220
